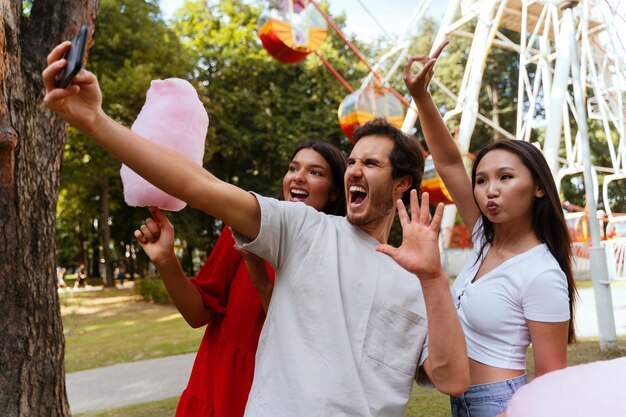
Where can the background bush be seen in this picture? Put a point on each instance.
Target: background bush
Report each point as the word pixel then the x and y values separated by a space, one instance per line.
pixel 152 290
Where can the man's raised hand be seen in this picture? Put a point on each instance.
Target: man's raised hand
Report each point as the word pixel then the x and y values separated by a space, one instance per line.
pixel 419 252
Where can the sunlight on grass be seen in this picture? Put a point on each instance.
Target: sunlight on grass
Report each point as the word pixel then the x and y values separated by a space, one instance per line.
pixel 163 408
pixel 116 328
pixel 168 318
pixel 91 328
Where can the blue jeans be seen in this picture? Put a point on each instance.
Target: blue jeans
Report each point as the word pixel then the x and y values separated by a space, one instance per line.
pixel 486 400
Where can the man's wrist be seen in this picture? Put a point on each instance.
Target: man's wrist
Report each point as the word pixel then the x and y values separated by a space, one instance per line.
pixel 98 124
pixel 435 277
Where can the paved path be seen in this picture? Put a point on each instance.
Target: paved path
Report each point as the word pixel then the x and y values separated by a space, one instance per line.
pixel 155 379
pixel 128 383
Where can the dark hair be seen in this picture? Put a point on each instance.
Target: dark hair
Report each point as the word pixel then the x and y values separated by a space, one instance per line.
pixel 337 162
pixel 406 156
pixel 547 219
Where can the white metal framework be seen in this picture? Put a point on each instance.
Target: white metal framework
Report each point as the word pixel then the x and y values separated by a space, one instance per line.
pixel 544 85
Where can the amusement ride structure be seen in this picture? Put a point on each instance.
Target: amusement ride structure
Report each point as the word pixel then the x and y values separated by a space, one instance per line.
pixel 572 70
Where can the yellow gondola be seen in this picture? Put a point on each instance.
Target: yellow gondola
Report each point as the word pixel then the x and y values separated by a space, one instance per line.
pixel 366 103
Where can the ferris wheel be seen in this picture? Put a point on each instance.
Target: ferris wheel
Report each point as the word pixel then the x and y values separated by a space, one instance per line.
pixel 542 41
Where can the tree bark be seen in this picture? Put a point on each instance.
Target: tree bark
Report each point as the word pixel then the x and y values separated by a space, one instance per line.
pixel 32 377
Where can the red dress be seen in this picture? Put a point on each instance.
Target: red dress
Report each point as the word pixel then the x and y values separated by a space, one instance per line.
pixel 222 373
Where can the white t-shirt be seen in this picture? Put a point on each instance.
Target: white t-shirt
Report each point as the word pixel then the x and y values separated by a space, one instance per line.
pixel 494 309
pixel 346 327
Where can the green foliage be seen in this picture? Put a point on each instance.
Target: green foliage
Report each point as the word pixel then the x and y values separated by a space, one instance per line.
pixel 152 290
pixel 133 45
pixel 27 6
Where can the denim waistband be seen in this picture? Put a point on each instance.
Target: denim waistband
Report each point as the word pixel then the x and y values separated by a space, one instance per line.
pixel 486 400
pixel 507 385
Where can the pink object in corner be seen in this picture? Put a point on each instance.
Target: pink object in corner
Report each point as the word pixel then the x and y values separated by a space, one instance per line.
pixel 593 389
pixel 172 116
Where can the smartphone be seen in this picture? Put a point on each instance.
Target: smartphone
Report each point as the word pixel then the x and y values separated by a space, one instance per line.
pixel 75 57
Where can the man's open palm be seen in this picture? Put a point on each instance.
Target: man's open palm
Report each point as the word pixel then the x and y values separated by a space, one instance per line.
pixel 419 252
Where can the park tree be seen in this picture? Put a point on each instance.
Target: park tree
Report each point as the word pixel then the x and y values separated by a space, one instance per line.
pixel 32 381
pixel 134 45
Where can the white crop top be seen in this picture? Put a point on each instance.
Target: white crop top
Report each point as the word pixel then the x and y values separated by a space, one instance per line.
pixel 494 309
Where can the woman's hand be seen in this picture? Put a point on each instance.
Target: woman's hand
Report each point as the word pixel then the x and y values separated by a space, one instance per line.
pixel 417 84
pixel 156 237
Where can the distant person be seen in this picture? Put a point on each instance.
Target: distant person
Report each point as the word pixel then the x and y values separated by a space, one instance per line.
pixel 518 286
pixel 81 276
pixel 120 273
pixel 61 277
pixel 347 330
pixel 232 292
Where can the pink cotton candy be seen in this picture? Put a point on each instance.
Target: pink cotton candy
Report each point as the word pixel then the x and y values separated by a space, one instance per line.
pixel 172 116
pixel 594 389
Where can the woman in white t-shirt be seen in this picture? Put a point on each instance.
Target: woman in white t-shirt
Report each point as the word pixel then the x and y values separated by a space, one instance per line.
pixel 518 286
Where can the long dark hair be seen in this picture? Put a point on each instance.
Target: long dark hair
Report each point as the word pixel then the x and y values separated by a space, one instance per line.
pixel 337 162
pixel 548 220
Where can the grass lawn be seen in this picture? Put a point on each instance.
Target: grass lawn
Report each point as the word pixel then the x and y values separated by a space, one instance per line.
pixel 111 326
pixel 163 408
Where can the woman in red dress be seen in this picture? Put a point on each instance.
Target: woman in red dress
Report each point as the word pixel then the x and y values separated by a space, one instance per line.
pixel 232 292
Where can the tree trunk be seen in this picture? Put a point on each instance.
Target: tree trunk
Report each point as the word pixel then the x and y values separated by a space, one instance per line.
pixel 494 98
pixel 32 379
pixel 94 262
pixel 109 279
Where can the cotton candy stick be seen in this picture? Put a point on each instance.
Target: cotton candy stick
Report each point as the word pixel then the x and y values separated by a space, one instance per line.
pixel 172 116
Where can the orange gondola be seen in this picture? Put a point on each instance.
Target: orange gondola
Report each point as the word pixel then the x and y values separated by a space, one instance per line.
pixel 578 226
pixel 291 29
pixel 432 184
pixel 366 103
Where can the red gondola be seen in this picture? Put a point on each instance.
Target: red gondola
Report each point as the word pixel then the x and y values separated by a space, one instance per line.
pixel 291 29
